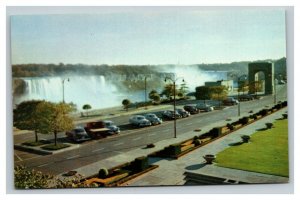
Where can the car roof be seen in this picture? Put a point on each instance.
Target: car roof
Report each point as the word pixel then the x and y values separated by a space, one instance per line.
pixel 190 105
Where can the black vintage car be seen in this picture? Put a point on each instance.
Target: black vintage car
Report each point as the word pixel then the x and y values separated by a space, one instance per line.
pixel 183 112
pixel 169 114
pixel 191 109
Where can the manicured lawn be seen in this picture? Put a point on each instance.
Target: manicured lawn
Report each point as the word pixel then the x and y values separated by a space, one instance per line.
pixel 58 146
pixel 34 143
pixel 266 153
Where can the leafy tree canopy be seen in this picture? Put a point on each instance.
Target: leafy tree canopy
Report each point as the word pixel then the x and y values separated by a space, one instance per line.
pixel 169 90
pixel 86 107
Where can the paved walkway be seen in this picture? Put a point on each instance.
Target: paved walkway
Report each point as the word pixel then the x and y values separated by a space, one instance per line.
pixel 170 171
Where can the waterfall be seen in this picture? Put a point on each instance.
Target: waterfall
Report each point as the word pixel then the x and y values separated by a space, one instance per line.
pixel 104 92
pixel 93 90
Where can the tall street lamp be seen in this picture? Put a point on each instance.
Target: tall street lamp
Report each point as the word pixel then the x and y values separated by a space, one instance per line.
pixel 238 82
pixel 238 94
pixel 146 91
pixel 174 99
pixel 63 87
pixel 274 86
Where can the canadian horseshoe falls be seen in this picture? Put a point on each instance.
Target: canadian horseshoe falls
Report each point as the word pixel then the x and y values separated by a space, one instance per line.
pixel 100 91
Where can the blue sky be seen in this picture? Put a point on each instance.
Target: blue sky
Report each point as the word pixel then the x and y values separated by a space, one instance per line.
pixel 150 36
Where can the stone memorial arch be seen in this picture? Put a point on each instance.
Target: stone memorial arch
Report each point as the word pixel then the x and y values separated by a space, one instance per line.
pixel 265 67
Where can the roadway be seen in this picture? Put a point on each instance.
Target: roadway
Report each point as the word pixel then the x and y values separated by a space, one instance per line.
pixel 131 137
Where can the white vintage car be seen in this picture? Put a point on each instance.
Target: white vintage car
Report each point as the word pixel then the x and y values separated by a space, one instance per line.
pixel 139 120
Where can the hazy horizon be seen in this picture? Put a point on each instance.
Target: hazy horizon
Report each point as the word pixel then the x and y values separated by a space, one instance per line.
pixel 150 36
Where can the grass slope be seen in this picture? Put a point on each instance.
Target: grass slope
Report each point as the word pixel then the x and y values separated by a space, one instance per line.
pixel 266 153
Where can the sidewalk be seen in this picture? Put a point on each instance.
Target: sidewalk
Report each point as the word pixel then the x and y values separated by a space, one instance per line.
pixel 171 172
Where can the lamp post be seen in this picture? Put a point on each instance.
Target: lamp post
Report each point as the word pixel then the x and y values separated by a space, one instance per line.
pixel 145 79
pixel 63 88
pixel 275 92
pixel 174 99
pixel 274 86
pixel 238 94
pixel 238 82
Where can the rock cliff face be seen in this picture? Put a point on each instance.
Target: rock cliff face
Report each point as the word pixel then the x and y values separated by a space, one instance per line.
pixel 19 87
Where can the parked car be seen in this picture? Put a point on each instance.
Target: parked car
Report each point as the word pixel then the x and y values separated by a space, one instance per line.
pixel 169 114
pixel 101 129
pixel 113 129
pixel 192 109
pixel 246 97
pixel 153 119
pixel 183 112
pixel 78 134
pixel 139 120
pixel 230 101
pixel 204 107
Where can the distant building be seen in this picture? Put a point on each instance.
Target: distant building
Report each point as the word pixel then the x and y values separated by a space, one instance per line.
pixel 226 83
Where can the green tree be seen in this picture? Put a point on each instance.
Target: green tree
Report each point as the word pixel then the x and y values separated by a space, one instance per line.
pixel 26 117
pixel 218 93
pixel 211 92
pixel 87 107
pixel 30 179
pixel 25 178
pixel 55 118
pixel 169 90
pixel 183 90
pixel 242 86
pixel 126 103
pixel 154 96
pixel 255 86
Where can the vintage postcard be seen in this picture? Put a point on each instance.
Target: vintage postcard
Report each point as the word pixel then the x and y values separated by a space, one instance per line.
pixel 156 96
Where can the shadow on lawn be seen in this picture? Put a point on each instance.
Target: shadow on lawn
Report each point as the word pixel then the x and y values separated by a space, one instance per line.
pixel 262 129
pixel 236 144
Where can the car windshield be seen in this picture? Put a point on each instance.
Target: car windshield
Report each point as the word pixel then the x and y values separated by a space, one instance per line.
pixel 151 115
pixel 108 123
pixel 79 130
pixel 140 118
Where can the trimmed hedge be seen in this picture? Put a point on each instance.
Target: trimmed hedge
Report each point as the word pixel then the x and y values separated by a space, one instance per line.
pixel 173 149
pixel 140 164
pixel 103 173
pixel 244 120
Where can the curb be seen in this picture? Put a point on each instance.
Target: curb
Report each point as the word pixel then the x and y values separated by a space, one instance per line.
pixel 38 150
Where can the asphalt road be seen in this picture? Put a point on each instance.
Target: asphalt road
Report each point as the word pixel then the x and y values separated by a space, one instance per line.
pixel 131 137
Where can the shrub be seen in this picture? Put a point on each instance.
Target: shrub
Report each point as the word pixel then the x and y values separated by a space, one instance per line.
pixel 196 142
pixel 269 125
pixel 215 132
pixel 244 120
pixel 102 173
pixel 245 138
pixel 195 137
pixel 264 112
pixel 285 116
pixel 140 164
pixel 230 126
pixel 173 149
